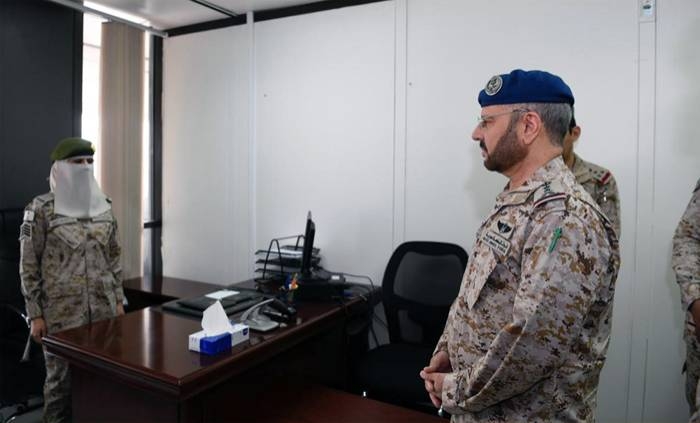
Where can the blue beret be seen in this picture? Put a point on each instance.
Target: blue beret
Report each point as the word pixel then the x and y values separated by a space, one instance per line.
pixel 521 86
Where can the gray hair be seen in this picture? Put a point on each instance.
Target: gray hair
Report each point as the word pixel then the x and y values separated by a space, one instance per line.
pixel 555 116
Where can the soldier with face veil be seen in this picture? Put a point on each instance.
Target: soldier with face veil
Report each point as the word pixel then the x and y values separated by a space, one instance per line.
pixel 70 261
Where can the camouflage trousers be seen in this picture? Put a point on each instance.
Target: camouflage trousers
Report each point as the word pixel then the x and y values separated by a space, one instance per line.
pixel 692 371
pixel 57 395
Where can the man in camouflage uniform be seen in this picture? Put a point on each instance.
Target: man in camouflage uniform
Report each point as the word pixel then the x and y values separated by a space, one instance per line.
pixel 70 262
pixel 686 264
pixel 526 338
pixel 597 180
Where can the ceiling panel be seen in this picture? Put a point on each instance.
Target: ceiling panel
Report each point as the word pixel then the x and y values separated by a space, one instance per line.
pixel 165 14
pixel 257 5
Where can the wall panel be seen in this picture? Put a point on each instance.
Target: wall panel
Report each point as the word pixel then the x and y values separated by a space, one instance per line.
pixel 324 132
pixel 205 156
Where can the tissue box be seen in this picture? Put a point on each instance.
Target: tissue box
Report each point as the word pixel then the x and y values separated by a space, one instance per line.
pixel 211 345
pixel 239 333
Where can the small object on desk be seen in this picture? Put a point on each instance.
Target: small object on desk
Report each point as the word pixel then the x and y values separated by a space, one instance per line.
pixel 256 321
pixel 217 295
pixel 288 312
pixel 239 333
pixel 276 315
pixel 217 334
pixel 290 285
pixel 210 345
pixel 262 323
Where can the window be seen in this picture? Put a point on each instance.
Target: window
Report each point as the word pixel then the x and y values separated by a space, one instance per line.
pixel 90 130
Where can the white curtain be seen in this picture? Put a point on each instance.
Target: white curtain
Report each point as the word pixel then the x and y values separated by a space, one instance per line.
pixel 121 111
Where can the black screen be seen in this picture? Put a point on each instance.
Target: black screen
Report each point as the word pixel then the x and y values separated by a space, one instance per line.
pixel 307 252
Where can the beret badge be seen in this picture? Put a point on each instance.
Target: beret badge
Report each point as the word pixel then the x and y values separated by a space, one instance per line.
pixel 494 85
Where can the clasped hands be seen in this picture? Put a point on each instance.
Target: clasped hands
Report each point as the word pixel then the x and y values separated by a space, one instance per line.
pixel 433 376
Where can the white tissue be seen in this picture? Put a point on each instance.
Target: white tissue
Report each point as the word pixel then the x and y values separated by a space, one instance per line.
pixel 214 320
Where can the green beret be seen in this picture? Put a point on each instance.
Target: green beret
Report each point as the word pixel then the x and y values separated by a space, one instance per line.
pixel 72 147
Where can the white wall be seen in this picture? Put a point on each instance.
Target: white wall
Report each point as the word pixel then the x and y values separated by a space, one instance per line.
pixel 363 115
pixel 324 133
pixel 205 156
pixel 675 166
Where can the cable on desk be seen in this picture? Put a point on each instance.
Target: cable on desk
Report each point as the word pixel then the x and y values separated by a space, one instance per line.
pixel 341 301
pixel 369 300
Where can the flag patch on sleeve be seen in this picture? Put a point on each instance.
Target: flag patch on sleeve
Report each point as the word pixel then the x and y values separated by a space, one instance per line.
pixel 25 231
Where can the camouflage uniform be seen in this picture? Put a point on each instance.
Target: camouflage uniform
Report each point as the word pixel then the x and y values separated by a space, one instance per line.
pixel 71 275
pixel 695 417
pixel 528 333
pixel 686 264
pixel 601 184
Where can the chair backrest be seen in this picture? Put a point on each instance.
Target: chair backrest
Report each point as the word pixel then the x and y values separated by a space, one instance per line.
pixel 10 293
pixel 421 281
pixel 10 221
pixel 18 381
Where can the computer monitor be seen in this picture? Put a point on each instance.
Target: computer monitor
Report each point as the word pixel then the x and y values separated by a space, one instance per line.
pixel 307 252
pixel 307 273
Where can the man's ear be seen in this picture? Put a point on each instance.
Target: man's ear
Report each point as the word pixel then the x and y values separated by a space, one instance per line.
pixel 531 128
pixel 576 133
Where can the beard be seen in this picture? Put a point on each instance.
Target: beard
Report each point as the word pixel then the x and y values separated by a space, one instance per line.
pixel 507 152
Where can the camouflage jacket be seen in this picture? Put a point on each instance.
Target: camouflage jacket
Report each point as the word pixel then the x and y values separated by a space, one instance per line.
pixel 686 251
pixel 695 417
pixel 528 332
pixel 601 184
pixel 70 268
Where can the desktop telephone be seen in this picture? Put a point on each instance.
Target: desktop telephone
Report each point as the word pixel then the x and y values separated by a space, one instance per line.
pixel 268 315
pixel 279 311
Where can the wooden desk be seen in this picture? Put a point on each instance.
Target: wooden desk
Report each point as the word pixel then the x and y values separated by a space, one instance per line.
pixel 162 289
pixel 137 367
pixel 276 402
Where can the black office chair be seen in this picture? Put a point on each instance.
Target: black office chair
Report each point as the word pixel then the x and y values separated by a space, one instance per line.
pixel 21 382
pixel 421 281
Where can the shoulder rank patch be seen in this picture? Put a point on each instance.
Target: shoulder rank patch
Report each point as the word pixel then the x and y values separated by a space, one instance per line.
pixel 25 231
pixel 549 191
pixel 605 178
pixel 28 216
pixel 558 196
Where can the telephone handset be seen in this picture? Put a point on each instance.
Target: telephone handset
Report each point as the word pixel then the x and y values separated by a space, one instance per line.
pixel 279 311
pixel 263 322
